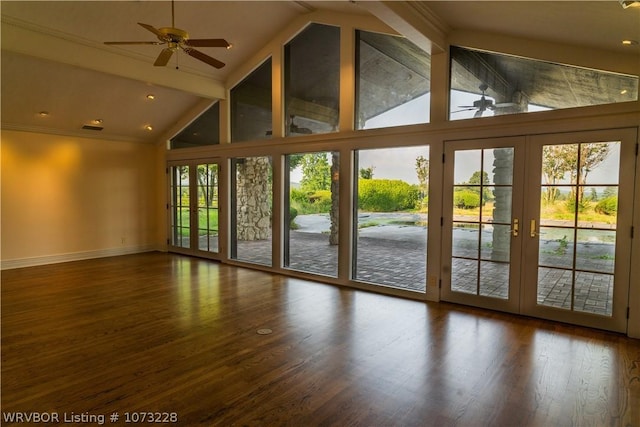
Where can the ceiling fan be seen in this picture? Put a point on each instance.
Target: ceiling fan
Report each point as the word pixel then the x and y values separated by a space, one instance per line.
pixel 176 39
pixel 293 128
pixel 483 104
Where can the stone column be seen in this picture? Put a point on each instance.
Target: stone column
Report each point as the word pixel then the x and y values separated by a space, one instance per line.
pixel 254 199
pixel 502 175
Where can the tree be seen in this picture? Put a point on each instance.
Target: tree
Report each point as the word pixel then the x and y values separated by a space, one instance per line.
pixel 208 182
pixel 591 155
pixel 422 170
pixel 476 179
pixel 556 162
pixel 318 175
pixel 316 172
pixel 560 160
pixel 366 173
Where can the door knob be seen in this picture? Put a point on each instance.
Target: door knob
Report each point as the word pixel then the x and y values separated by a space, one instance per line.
pixel 516 227
pixel 532 228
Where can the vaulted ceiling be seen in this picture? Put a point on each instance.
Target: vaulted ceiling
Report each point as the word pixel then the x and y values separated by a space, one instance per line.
pixel 54 59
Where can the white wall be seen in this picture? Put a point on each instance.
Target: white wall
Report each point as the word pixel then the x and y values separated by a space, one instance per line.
pixel 66 198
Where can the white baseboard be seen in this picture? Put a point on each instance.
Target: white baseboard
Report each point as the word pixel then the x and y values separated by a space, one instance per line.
pixel 75 256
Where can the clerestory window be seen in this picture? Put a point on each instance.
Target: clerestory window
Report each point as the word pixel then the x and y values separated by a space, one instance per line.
pixel 486 84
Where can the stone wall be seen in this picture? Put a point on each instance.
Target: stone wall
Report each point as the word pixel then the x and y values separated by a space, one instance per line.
pixel 253 189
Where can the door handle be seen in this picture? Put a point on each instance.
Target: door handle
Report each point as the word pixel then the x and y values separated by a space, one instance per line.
pixel 532 228
pixel 516 227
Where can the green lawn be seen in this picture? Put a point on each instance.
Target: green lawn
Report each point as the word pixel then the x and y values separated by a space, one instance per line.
pixel 184 215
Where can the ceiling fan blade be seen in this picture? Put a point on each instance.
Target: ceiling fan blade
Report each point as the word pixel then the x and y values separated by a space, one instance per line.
pixel 207 43
pixel 478 113
pixel 466 109
pixel 204 58
pixel 116 43
pixel 153 30
pixel 505 104
pixel 163 58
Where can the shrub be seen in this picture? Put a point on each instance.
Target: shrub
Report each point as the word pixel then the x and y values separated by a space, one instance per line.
pixel 607 206
pixel 466 199
pixel 310 202
pixel 293 213
pixel 571 205
pixel 386 195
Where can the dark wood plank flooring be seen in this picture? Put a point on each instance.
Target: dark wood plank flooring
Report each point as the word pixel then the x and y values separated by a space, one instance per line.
pixel 168 333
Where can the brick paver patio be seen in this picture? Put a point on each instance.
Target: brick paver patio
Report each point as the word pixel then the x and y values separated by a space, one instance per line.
pixel 402 264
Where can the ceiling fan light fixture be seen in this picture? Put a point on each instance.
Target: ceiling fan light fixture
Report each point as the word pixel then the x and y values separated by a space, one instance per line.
pixel 175 40
pixel 629 3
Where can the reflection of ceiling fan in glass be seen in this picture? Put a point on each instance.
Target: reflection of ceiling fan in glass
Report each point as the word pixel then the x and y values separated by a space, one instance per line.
pixel 293 128
pixel 483 104
pixel 176 39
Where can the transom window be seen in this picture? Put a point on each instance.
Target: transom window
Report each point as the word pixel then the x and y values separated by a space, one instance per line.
pixel 487 84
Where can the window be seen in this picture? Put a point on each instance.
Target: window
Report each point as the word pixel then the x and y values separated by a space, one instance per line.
pixel 311 227
pixel 393 81
pixel 486 84
pixel 251 211
pixel 251 106
pixel 205 130
pixel 312 81
pixel 391 202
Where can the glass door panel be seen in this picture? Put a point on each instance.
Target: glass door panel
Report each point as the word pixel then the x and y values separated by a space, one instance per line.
pixel 193 208
pixel 208 207
pixel 180 207
pixel 575 237
pixel 481 223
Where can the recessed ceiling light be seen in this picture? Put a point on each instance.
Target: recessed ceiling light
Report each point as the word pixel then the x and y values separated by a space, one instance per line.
pixel 229 46
pixel 96 121
pixel 43 113
pixel 623 92
pixel 151 96
pixel 629 42
pixel 148 127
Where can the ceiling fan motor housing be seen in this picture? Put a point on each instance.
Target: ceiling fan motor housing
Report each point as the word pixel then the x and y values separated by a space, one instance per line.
pixel 173 35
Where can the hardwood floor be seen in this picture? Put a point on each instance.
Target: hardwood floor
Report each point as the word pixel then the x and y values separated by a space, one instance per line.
pixel 166 333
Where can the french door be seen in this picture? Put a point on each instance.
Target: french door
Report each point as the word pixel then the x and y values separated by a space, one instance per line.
pixel 483 201
pixel 193 208
pixel 541 225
